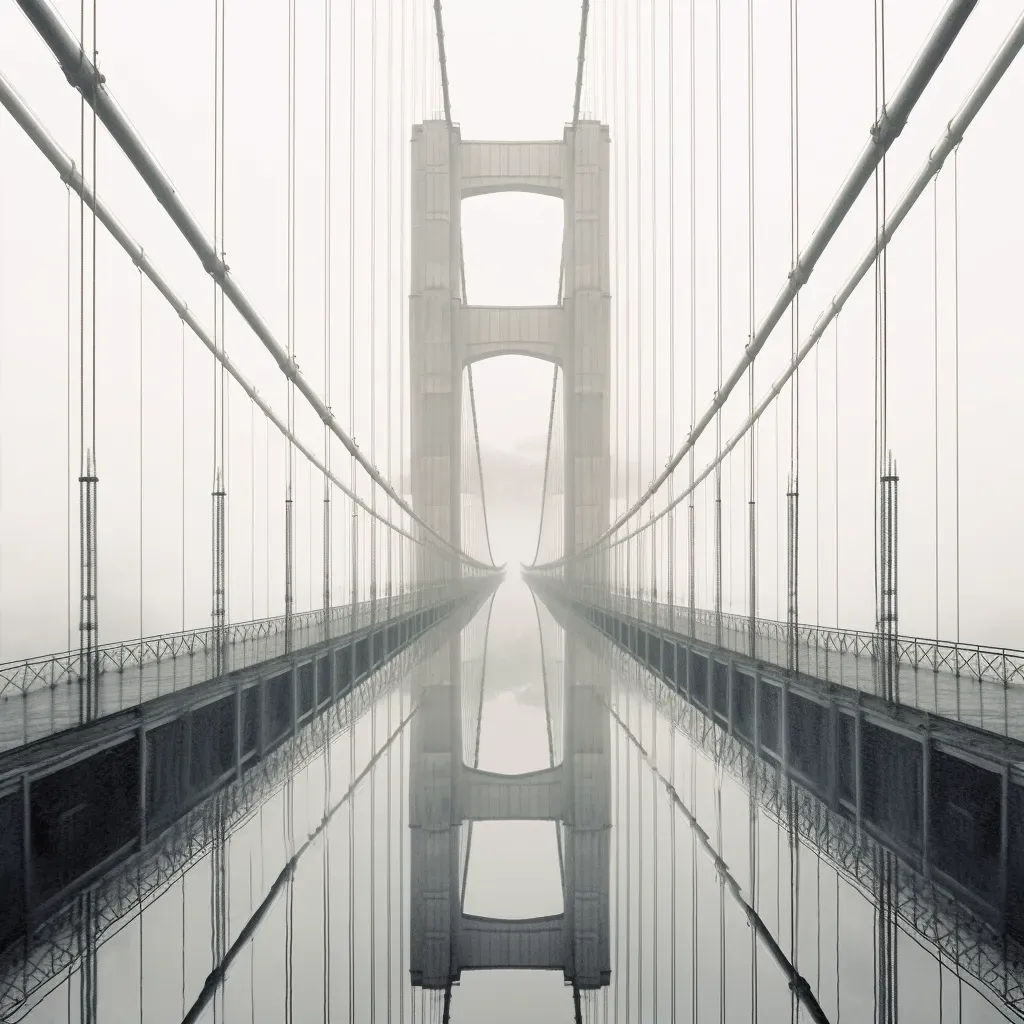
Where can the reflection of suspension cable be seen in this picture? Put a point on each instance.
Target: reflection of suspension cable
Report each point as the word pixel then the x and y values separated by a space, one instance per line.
pixel 550 731
pixel 287 873
pixel 797 984
pixel 476 749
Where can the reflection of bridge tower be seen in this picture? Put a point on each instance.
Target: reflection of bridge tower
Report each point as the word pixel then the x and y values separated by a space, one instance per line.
pixel 445 336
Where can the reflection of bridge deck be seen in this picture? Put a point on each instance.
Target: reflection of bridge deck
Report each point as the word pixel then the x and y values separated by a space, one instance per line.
pixel 73 804
pixel 934 907
pixel 931 914
pixel 947 798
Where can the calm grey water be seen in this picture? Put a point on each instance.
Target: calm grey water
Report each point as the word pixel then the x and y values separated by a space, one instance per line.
pixel 333 945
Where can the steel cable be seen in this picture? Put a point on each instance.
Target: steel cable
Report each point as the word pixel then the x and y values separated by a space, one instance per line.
pixel 889 126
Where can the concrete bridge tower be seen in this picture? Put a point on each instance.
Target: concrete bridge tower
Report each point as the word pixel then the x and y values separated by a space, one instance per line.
pixel 445 336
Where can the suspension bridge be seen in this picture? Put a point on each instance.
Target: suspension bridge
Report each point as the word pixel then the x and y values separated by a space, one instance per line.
pixel 288 730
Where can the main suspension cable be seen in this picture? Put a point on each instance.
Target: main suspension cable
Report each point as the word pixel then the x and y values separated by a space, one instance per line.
pixel 86 78
pixel 888 127
pixel 947 143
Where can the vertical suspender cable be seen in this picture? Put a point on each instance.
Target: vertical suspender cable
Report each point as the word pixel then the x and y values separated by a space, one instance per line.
pixel 639 304
pixel 956 379
pixel 252 509
pixel 225 394
pixel 671 534
pixel 690 524
pixel 183 475
pixel 879 440
pixel 654 301
pixel 266 531
pixel 219 376
pixel 390 537
pixel 751 299
pixel 328 282
pixel 639 477
pixel 354 537
pixel 403 291
pixel 142 631
pixel 793 483
pixel 654 462
pixel 718 318
pixel 92 482
pixel 618 348
pixel 352 550
pixel 752 824
pixel 670 529
pixel 373 335
pixel 373 493
pixel 289 538
pixel 935 380
pixel 88 471
pixel 389 107
pixel 68 401
pixel 331 668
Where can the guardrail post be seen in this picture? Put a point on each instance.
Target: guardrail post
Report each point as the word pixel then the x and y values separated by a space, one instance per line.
pixel 238 728
pixel 143 782
pixel 1004 843
pixel 26 848
pixel 784 726
pixel 858 783
pixel 757 714
pixel 833 761
pixel 689 675
pixel 186 761
pixel 261 742
pixel 294 674
pixel 730 684
pixel 926 773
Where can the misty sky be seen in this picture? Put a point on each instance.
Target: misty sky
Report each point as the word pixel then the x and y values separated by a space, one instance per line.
pixel 512 69
pixel 511 72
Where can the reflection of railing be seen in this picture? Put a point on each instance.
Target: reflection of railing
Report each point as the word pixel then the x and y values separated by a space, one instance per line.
pixel 929 914
pixel 119 897
pixel 995 664
pixel 52 669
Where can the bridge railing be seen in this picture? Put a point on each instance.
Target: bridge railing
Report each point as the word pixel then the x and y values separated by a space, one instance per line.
pixel 1004 665
pixel 935 918
pixel 50 670
pixel 29 966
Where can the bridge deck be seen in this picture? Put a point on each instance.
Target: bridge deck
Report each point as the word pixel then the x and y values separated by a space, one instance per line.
pixel 75 803
pixel 945 796
pixel 987 692
pixel 44 696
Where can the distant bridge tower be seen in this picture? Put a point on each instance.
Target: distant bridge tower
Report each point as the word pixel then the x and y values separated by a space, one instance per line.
pixel 445 336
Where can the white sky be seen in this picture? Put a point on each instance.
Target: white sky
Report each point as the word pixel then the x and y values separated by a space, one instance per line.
pixel 511 70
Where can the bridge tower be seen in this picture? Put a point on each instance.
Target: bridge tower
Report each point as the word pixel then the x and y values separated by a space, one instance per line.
pixel 446 335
